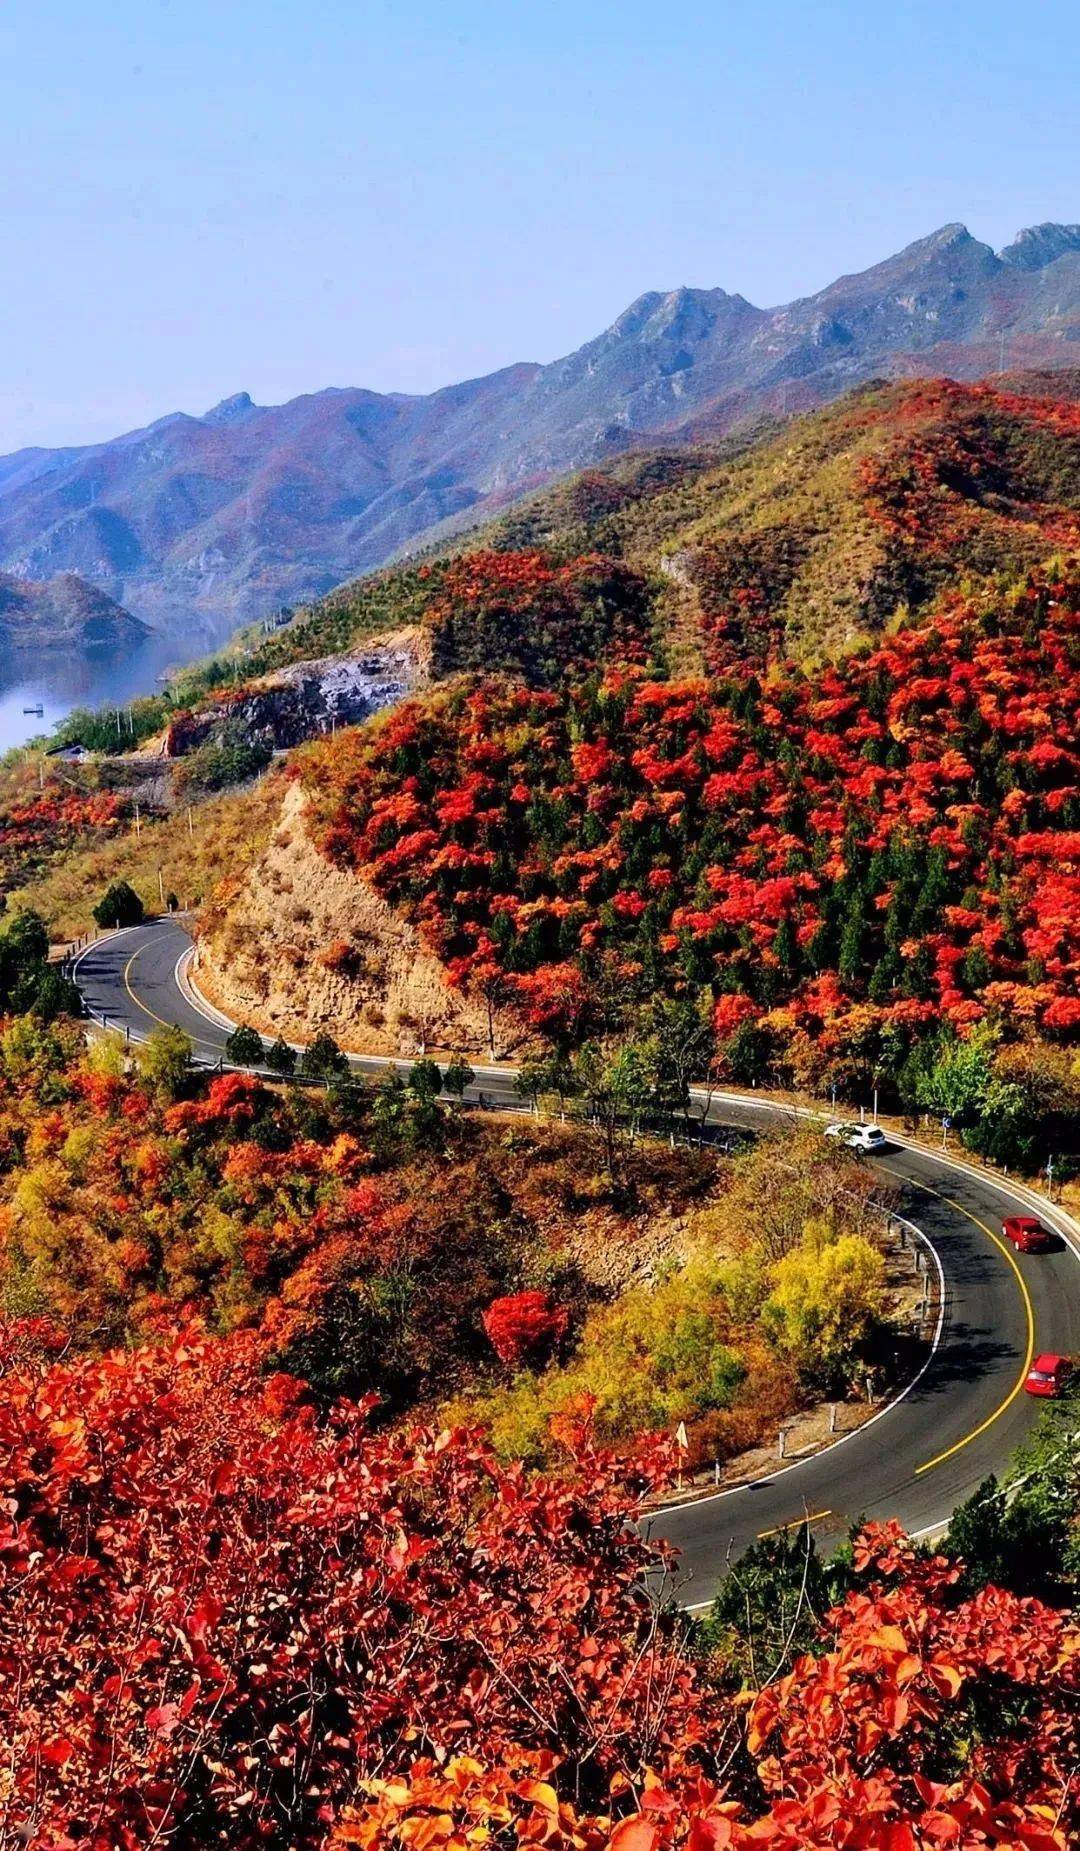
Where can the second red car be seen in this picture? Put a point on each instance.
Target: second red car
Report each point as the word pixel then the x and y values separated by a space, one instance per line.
pixel 1048 1375
pixel 1027 1234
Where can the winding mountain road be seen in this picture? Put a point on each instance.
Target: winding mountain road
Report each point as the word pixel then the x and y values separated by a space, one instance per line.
pixel 918 1457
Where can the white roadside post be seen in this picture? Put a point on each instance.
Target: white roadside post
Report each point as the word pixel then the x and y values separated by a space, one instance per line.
pixel 683 1444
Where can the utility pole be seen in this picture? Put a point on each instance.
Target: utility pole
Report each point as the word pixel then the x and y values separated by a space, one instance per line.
pixel 190 824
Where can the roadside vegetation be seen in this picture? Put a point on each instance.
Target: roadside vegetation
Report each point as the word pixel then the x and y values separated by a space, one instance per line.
pixel 29 984
pixel 171 1508
pixel 326 1411
pixel 176 853
pixel 380 1240
pixel 777 1296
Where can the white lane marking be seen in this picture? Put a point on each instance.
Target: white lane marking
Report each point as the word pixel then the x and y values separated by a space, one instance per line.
pixel 193 997
pixel 826 1452
pixel 1059 1218
pixel 96 944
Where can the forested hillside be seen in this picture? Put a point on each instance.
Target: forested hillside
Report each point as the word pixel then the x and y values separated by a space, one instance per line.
pixel 64 612
pixel 840 864
pixel 789 737
pixel 816 535
pixel 327 1409
pixel 813 536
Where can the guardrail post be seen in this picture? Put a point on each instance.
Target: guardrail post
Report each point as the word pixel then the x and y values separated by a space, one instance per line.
pixel 782 1443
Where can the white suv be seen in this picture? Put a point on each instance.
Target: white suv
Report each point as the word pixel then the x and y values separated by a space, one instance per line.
pixel 858 1137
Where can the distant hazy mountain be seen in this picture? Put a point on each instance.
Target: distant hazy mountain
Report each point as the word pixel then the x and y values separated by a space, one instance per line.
pixel 209 521
pixel 63 612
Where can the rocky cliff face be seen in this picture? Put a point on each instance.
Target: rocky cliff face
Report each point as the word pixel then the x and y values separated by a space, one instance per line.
pixel 280 710
pixel 1041 245
pixel 210 521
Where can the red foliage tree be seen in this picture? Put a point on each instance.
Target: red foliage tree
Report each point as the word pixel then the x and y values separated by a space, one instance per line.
pixel 902 825
pixel 216 1617
pixel 852 1748
pixel 220 1623
pixel 524 1327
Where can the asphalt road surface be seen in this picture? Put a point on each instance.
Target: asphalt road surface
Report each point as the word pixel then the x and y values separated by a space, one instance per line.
pixel 917 1459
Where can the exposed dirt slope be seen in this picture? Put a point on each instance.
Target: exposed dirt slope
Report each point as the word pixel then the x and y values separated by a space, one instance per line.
pixel 295 946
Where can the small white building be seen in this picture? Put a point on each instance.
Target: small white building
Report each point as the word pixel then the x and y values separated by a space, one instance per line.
pixel 72 752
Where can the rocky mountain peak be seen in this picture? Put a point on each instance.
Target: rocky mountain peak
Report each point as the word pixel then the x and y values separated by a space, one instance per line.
pixel 231 410
pixel 1039 245
pixel 945 238
pixel 252 510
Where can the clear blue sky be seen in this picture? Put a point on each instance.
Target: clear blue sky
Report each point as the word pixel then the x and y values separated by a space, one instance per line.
pixel 199 196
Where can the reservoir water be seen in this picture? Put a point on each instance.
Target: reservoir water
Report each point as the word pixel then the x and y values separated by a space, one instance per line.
pixel 56 680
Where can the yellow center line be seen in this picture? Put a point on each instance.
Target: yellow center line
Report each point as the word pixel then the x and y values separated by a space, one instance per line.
pixel 1029 1312
pixel 939 1458
pixel 796 1523
pixel 134 998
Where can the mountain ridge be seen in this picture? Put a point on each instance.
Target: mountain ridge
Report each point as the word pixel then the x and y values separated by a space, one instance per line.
pixel 224 517
pixel 806 541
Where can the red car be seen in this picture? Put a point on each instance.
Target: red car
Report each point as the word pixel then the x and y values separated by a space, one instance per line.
pixel 1048 1375
pixel 1027 1234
